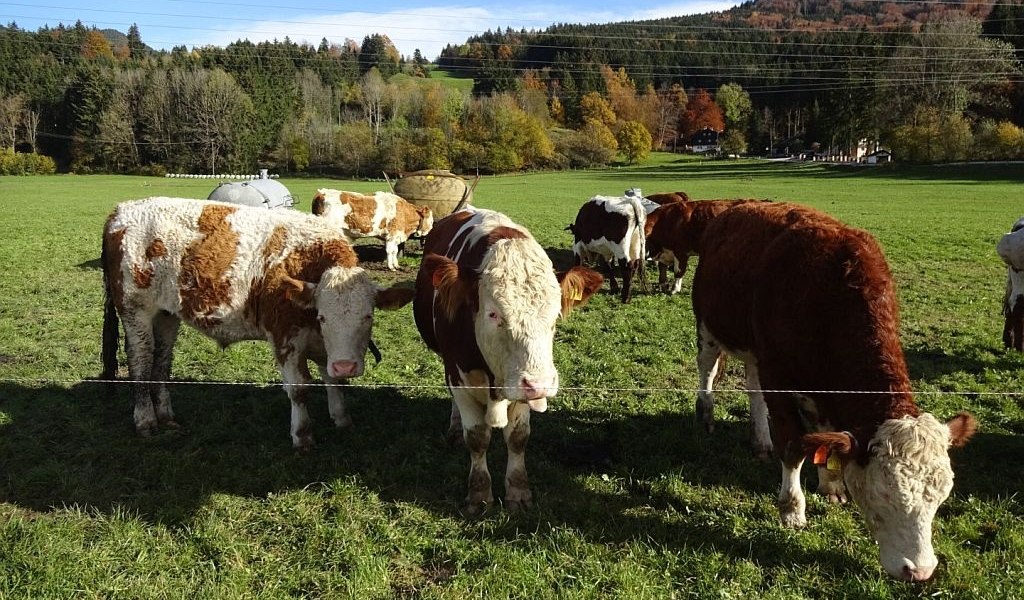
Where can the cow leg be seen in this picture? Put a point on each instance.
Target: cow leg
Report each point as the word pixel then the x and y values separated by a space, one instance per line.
pixel 335 399
pixel 1017 319
pixel 391 248
pixel 663 277
pixel 295 374
pixel 761 436
pixel 679 268
pixel 477 435
pixel 165 333
pixel 138 346
pixel 606 266
pixel 454 435
pixel 787 429
pixel 709 360
pixel 1007 312
pixel 517 433
pixel 627 278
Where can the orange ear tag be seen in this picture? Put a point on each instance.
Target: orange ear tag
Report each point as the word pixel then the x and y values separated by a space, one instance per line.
pixel 821 455
pixel 833 463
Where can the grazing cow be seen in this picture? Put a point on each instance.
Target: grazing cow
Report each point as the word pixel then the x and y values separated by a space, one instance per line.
pixel 809 304
pixel 610 230
pixel 674 231
pixel 668 197
pixel 487 299
pixel 1011 249
pixel 235 273
pixel 382 215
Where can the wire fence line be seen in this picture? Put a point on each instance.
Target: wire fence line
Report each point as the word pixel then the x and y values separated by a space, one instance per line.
pixel 439 386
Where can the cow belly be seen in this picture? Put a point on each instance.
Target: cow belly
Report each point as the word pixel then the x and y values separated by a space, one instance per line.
pixel 603 247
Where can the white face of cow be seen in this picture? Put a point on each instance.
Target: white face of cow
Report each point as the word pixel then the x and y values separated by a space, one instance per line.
pixel 344 302
pixel 907 477
pixel 520 301
pixel 426 223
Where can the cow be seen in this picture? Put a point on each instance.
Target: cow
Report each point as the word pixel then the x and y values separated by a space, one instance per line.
pixel 383 215
pixel 809 305
pixel 673 232
pixel 610 230
pixel 235 273
pixel 487 299
pixel 667 197
pixel 1010 248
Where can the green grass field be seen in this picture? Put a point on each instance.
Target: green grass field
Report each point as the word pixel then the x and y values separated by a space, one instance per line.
pixel 632 500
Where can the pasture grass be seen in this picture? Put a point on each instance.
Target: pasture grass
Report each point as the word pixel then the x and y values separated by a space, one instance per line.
pixel 632 499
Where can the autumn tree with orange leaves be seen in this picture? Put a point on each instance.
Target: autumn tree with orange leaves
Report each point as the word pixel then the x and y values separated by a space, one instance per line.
pixel 701 112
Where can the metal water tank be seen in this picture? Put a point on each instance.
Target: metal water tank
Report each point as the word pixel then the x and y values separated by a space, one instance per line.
pixel 264 192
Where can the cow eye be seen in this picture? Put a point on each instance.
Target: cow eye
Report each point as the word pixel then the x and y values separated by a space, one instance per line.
pixel 321 318
pixel 494 316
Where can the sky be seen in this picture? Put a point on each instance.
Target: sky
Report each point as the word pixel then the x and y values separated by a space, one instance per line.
pixel 164 24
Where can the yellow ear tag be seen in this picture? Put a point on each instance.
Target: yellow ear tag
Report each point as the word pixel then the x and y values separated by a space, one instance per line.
pixel 575 294
pixel 833 463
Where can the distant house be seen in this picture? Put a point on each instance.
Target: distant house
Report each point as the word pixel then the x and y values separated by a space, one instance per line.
pixel 704 141
pixel 878 157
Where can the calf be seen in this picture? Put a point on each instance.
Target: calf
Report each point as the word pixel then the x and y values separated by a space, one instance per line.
pixel 809 305
pixel 674 231
pixel 382 215
pixel 610 230
pixel 668 197
pixel 1011 249
pixel 235 273
pixel 487 299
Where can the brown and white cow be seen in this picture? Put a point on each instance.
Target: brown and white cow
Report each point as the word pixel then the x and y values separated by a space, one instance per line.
pixel 610 231
pixel 487 299
pixel 808 303
pixel 235 273
pixel 674 231
pixel 382 215
pixel 1010 248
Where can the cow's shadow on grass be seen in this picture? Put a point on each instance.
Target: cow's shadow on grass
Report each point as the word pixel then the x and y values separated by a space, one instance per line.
pixel 615 478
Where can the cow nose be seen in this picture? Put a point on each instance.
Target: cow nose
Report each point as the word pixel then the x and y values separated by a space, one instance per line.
pixel 532 391
pixel 345 368
pixel 917 573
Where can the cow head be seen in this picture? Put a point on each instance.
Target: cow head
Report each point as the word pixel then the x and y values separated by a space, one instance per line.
pixel 514 300
pixel 344 300
pixel 426 220
pixel 898 482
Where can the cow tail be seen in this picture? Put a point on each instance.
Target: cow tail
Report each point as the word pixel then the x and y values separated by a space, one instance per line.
pixel 111 335
pixel 641 223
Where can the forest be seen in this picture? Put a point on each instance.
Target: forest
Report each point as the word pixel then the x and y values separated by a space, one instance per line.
pixel 930 82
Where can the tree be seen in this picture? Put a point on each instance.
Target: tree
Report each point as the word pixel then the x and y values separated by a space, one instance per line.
pixel 136 48
pixel 215 113
pixel 596 109
pixel 733 142
pixel 634 141
pixel 736 105
pixel 379 51
pixel 95 45
pixel 374 98
pixel 701 113
pixel 11 108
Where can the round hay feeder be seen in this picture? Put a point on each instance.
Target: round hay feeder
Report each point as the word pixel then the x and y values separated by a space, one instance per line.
pixel 266 193
pixel 442 191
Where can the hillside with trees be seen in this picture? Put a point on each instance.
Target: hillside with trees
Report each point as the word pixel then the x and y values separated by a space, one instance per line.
pixel 931 81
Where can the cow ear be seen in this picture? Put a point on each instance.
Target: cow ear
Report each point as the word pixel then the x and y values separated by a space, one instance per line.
pixel 961 428
pixel 300 292
pixel 578 285
pixel 394 297
pixel 822 445
pixel 452 288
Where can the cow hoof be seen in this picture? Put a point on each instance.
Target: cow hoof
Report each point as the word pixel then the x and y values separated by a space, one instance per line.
pixel 304 444
pixel 836 498
pixel 343 423
pixel 517 501
pixel 793 520
pixel 475 509
pixel 148 429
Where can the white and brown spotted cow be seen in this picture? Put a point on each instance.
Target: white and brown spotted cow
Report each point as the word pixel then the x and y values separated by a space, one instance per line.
pixel 809 305
pixel 382 215
pixel 235 273
pixel 1010 248
pixel 487 299
pixel 610 230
